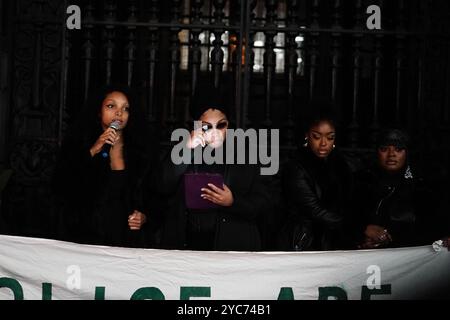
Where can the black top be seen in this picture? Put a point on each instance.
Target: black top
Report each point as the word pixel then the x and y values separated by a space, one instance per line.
pixel 93 202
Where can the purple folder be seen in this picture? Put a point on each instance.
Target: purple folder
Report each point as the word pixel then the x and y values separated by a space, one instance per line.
pixel 193 183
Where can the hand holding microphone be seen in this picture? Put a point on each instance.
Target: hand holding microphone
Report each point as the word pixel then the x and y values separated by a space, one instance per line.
pixel 114 126
pixel 197 138
pixel 106 140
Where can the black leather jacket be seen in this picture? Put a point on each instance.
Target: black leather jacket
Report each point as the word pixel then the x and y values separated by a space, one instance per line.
pixel 405 207
pixel 317 192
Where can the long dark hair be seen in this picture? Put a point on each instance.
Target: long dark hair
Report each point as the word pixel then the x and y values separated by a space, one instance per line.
pixel 87 128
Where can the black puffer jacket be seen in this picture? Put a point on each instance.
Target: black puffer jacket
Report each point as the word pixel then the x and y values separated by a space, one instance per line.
pixel 317 194
pixel 404 206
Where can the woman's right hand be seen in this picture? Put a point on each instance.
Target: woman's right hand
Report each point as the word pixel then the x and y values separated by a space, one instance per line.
pixel 110 137
pixel 197 138
pixel 376 236
pixel 136 220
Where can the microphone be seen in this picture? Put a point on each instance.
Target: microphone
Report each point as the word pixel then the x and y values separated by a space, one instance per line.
pixel 107 147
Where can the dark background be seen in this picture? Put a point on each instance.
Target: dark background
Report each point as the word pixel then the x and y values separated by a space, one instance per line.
pixel 291 51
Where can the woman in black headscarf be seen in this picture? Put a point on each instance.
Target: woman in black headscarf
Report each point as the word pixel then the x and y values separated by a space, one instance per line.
pixel 395 205
pixel 230 215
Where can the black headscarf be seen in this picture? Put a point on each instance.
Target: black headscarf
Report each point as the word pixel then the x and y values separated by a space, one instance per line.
pixel 208 97
pixel 393 137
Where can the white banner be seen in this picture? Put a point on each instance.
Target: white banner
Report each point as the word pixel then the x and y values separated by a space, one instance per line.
pixel 47 269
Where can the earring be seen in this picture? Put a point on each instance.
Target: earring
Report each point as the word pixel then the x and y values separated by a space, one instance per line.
pixel 305 144
pixel 334 146
pixel 408 173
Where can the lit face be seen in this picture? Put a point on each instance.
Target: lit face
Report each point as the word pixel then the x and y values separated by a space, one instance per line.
pixel 391 158
pixel 115 107
pixel 321 138
pixel 214 126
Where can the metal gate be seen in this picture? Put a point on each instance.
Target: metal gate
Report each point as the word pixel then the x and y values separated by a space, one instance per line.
pixel 272 56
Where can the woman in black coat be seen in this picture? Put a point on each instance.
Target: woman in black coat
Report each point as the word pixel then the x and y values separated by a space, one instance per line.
pixel 317 188
pixel 235 222
pixel 397 207
pixel 98 178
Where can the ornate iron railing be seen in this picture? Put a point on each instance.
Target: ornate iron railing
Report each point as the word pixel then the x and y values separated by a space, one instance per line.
pixel 272 56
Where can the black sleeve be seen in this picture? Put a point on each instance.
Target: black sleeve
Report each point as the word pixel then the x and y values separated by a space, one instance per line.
pixel 258 200
pixel 302 200
pixel 75 186
pixel 76 172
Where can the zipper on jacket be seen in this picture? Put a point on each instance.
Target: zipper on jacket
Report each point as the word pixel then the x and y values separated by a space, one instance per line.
pixel 382 200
